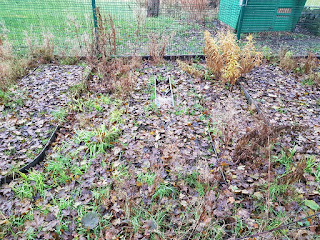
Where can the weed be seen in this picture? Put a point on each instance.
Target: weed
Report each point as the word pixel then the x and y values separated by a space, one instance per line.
pixel 157 47
pixel 146 178
pixel 116 117
pixel 121 172
pixel 107 37
pixel 101 193
pixel 195 8
pixel 152 107
pixel 286 60
pixel 277 190
pixel 310 64
pixel 11 67
pixel 179 112
pixel 60 115
pixel 191 69
pixel 312 167
pixel 307 82
pixel 98 140
pixel 247 147
pixel 285 159
pixel 69 61
pixel 193 181
pixel 78 105
pixel 31 185
pixel 41 52
pixel 105 99
pixel 78 89
pixel 164 190
pixel 267 52
pixel 83 105
pixel 9 100
pixel 226 59
pixel 57 168
pixel 155 221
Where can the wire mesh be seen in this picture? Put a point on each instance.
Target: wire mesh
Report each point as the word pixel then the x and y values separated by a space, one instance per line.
pixel 70 24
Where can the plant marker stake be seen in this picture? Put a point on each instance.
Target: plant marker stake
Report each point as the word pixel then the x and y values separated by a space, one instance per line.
pixel 155 93
pixel 171 91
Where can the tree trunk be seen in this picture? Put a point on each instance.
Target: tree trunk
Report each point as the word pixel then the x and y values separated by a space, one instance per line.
pixel 153 8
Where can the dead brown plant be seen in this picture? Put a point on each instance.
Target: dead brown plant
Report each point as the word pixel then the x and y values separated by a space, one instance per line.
pixel 250 58
pixel 190 69
pixel 226 59
pixel 157 47
pixel 197 9
pixel 40 51
pixel 296 173
pixel 311 63
pixel 286 60
pixel 105 36
pixel 116 75
pixel 11 67
pixel 250 146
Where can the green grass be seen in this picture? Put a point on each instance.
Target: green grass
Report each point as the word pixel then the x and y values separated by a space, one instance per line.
pixel 59 114
pixel 98 140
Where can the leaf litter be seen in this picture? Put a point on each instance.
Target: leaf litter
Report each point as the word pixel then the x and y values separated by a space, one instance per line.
pixel 162 178
pixel 27 122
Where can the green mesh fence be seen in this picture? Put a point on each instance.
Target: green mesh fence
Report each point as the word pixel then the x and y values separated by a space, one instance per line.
pixel 69 23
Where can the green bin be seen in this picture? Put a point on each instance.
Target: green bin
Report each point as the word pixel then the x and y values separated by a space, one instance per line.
pixel 247 16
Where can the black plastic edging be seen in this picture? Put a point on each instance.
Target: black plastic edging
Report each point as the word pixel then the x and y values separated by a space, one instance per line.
pixel 39 158
pixel 250 99
pixel 185 57
pixel 251 102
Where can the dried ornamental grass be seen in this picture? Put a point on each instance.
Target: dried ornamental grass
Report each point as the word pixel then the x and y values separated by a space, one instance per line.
pixel 249 57
pixel 226 59
pixel 213 57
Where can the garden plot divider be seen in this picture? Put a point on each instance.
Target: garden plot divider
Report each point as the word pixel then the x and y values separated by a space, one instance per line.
pixel 70 24
pixel 8 178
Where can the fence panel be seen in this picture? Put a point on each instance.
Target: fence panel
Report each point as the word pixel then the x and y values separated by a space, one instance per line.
pixel 70 23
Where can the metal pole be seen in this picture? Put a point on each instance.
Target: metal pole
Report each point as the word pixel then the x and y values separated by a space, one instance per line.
pixel 95 21
pixel 242 5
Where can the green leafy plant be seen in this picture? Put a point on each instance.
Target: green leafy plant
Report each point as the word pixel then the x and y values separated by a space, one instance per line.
pixel 267 52
pixel 146 178
pixel 193 181
pixel 98 140
pixel 164 190
pixel 31 185
pixel 116 117
pixel 60 115
pixel 58 168
pixel 77 89
pixel 285 159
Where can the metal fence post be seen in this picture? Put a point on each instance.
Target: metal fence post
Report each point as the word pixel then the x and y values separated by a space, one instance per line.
pixel 242 5
pixel 95 21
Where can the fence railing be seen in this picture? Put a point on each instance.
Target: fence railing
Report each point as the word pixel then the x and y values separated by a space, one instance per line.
pixel 69 23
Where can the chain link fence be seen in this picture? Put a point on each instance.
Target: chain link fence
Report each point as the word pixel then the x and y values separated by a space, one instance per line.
pixel 70 24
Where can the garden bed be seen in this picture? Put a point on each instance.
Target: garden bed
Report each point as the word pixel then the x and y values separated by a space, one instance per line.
pixel 31 110
pixel 163 171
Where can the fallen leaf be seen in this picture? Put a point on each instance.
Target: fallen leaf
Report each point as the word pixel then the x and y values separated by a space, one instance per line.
pixel 312 204
pixel 90 220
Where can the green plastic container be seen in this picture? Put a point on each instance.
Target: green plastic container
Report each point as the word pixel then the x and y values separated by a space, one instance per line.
pixel 247 16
